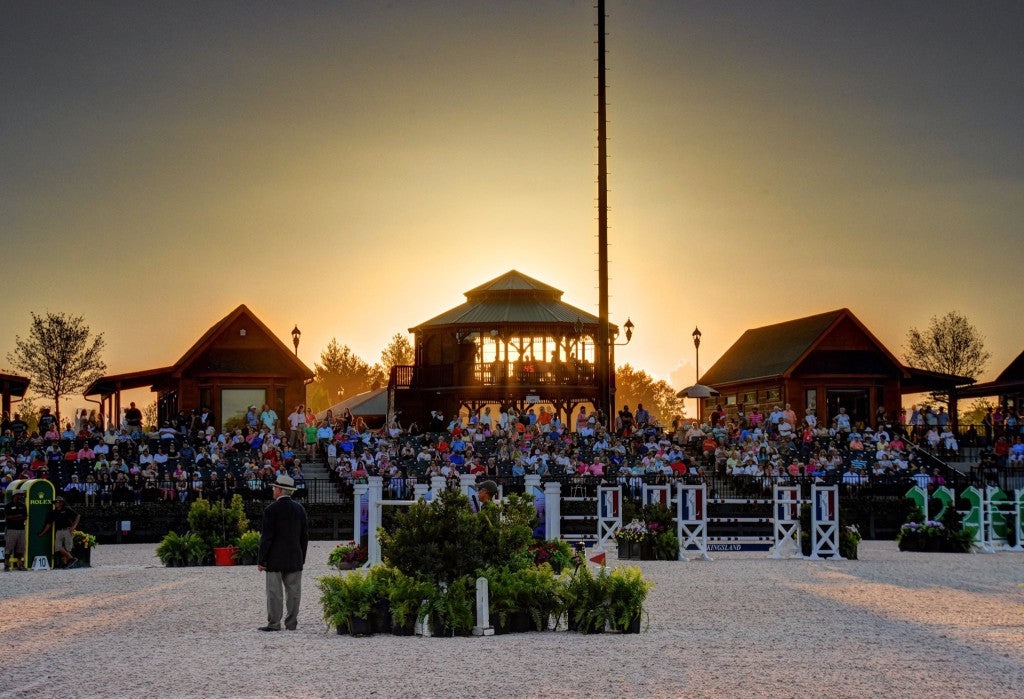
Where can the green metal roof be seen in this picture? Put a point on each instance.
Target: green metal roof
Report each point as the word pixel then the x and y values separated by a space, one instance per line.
pixel 512 299
pixel 768 351
pixel 514 281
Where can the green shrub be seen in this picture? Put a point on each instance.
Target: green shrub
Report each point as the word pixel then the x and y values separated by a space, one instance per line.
pixel 344 597
pixel 666 546
pixel 216 524
pixel 451 608
pixel 172 550
pixel 247 546
pixel 626 593
pixel 197 551
pixel 407 597
pixel 445 540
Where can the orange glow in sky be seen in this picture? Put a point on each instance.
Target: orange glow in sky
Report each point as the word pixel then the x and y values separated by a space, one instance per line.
pixel 353 168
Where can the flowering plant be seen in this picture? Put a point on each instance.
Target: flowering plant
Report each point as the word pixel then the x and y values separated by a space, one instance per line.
pixel 634 531
pixel 347 554
pixel 554 551
pixel 86 541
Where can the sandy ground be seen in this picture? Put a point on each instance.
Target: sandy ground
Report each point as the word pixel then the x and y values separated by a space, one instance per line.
pixel 900 625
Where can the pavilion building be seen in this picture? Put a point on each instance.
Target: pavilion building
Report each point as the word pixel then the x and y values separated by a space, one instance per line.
pixel 514 342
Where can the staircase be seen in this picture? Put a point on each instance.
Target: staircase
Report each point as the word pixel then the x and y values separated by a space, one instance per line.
pixel 315 469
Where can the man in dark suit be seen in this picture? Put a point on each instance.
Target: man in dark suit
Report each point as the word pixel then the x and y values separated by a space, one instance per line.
pixel 282 554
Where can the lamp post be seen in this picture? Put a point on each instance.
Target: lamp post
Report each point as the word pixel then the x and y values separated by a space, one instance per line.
pixel 696 346
pixel 295 339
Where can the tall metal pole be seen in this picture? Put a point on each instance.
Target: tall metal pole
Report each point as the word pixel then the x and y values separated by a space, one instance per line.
pixel 603 341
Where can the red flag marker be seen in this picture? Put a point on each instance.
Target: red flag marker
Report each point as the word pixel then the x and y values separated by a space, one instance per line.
pixel 598 559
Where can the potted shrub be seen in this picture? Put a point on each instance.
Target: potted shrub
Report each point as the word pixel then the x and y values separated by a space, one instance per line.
pixel 666 546
pixel 82 547
pixel 247 548
pixel 406 596
pixel 172 550
pixel 539 598
pixel 197 551
pixel 586 598
pixel 383 578
pixel 555 552
pixel 627 591
pixel 347 602
pixel 629 539
pixel 849 542
pixel 347 556
pixel 505 591
pixel 451 609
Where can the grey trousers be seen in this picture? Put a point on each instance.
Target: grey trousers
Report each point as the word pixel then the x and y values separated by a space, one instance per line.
pixel 279 586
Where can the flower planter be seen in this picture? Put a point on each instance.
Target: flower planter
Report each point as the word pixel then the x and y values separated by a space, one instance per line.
pixel 84 556
pixel 224 555
pixel 247 561
pixel 407 630
pixel 647 552
pixel 380 618
pixel 631 627
pixel 360 626
pixel 347 565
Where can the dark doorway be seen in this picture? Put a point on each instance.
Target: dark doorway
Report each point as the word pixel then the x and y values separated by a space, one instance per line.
pixel 857 402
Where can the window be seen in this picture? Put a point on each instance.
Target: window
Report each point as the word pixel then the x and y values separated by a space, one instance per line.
pixel 812 399
pixel 235 402
pixel 772 395
pixel 730 400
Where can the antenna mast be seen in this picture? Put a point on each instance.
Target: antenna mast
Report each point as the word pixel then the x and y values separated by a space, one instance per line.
pixel 603 344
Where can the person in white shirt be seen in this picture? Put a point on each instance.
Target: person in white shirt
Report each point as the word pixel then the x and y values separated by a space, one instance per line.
pixel 297 427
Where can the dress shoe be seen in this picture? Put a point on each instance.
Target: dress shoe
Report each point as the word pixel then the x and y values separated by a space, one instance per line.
pixel 267 628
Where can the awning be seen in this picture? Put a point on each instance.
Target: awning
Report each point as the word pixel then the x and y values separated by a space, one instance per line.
pixel 107 385
pixel 923 381
pixel 16 385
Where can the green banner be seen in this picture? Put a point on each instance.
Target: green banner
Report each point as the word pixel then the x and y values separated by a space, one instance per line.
pixel 39 495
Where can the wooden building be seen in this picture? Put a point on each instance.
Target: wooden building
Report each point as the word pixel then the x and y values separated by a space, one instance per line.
pixel 513 342
pixel 1007 388
pixel 822 363
pixel 12 385
pixel 237 363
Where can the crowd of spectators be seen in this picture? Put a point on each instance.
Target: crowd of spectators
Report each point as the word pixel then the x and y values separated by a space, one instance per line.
pixel 190 457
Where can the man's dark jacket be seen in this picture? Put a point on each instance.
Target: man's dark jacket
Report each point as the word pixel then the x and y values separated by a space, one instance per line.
pixel 284 537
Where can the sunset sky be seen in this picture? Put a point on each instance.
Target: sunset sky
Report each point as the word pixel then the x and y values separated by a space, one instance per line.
pixel 353 167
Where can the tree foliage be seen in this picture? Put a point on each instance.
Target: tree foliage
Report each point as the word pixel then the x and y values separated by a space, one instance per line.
pixel 398 352
pixel 344 373
pixel 634 386
pixel 60 355
pixel 976 411
pixel 950 344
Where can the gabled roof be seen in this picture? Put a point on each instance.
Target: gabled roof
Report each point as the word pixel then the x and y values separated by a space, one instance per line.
pixel 512 299
pixel 776 350
pixel 148 377
pixel 1014 371
pixel 211 335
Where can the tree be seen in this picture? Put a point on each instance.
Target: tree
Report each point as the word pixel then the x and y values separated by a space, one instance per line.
pixel 342 372
pixel 29 412
pixel 951 345
pixel 633 386
pixel 975 413
pixel 397 353
pixel 60 355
